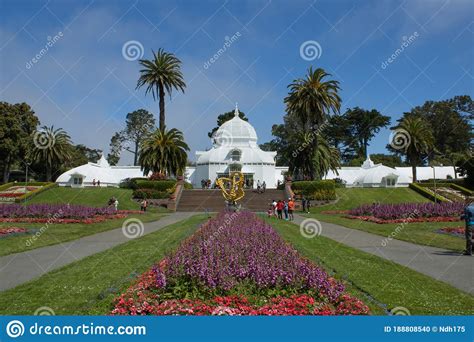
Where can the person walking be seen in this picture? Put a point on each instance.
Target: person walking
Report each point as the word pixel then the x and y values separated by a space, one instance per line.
pixel 98 183
pixel 93 182
pixel 264 186
pixel 308 205
pixel 280 206
pixel 468 217
pixel 291 208
pixel 303 204
pixel 258 186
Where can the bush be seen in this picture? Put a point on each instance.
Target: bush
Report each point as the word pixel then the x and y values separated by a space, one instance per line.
pixel 426 193
pixel 130 183
pixel 150 194
pixel 316 190
pixel 163 185
pixel 188 185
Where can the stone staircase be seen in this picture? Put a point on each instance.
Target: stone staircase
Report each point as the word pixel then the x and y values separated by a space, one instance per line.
pixel 212 200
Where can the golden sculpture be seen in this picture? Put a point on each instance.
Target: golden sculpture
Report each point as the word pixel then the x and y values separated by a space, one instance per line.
pixel 232 187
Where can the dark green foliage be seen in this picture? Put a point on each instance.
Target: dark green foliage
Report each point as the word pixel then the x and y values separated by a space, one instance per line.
pixel 316 190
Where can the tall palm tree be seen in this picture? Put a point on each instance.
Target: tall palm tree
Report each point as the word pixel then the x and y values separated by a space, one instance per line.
pixel 310 101
pixel 159 75
pixel 313 99
pixel 51 147
pixel 417 140
pixel 164 151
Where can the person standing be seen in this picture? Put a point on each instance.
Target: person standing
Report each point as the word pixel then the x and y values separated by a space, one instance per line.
pixel 280 206
pixel 274 206
pixel 285 209
pixel 93 182
pixel 264 186
pixel 308 205
pixel 258 186
pixel 468 217
pixel 291 208
pixel 98 183
pixel 303 204
pixel 116 203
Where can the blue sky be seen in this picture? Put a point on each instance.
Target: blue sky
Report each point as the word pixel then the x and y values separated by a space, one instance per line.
pixel 84 84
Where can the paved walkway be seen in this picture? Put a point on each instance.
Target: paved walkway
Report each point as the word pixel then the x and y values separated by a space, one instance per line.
pixel 441 264
pixel 18 268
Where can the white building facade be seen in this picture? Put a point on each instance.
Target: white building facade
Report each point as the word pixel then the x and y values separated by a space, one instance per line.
pixel 235 148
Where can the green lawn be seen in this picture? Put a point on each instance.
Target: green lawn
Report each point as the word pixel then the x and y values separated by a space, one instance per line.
pixel 379 282
pixel 420 233
pixel 58 233
pixel 88 286
pixel 92 197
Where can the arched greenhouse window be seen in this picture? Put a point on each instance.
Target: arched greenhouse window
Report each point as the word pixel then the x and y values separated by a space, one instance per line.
pixel 235 167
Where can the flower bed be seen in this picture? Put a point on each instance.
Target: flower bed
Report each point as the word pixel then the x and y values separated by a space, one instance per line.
pixel 409 210
pixel 403 220
pixel 456 231
pixel 4 232
pixel 60 213
pixel 236 264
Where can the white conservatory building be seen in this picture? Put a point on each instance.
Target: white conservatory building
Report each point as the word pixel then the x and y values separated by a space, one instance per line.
pixel 90 173
pixel 235 148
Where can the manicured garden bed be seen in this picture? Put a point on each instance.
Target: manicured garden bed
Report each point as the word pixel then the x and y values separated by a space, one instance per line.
pixel 237 264
pixel 60 213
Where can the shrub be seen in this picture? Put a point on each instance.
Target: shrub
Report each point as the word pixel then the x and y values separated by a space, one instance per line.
pixel 462 189
pixel 130 183
pixel 316 190
pixel 409 210
pixel 426 193
pixel 150 194
pixel 157 176
pixel 164 185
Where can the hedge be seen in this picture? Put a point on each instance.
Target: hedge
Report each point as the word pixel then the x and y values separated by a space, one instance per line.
pixel 422 191
pixel 156 185
pixel 150 194
pixel 462 189
pixel 321 190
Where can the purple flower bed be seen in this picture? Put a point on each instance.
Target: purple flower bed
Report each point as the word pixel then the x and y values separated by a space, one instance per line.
pixel 49 210
pixel 412 210
pixel 239 247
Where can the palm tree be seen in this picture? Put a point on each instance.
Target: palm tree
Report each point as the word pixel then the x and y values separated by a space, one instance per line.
pixel 161 74
pixel 164 151
pixel 417 140
pixel 51 147
pixel 311 100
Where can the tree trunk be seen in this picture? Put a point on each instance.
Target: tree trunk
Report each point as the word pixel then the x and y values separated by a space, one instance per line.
pixel 6 170
pixel 49 175
pixel 135 157
pixel 162 106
